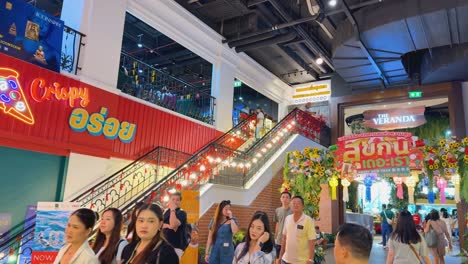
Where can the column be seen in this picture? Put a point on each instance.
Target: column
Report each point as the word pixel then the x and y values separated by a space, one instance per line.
pixel 223 90
pixel 102 21
pixel 282 110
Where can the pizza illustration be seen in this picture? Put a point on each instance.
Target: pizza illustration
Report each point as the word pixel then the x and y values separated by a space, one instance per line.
pixel 12 99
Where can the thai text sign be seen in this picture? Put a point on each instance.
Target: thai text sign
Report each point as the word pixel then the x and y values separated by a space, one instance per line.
pixel 311 92
pixel 384 153
pixel 390 119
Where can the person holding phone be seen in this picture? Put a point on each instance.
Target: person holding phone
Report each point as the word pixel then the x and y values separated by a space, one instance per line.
pixel 258 246
pixel 219 246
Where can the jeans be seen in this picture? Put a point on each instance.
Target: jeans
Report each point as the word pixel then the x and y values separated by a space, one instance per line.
pixel 386 230
pixel 278 250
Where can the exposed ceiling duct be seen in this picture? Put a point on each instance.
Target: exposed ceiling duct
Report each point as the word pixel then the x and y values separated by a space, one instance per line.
pixel 268 42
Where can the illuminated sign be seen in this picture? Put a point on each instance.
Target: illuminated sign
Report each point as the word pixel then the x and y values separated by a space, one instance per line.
pixel 12 99
pixel 97 124
pixel 415 94
pixel 237 83
pixel 311 92
pixel 390 119
pixel 40 92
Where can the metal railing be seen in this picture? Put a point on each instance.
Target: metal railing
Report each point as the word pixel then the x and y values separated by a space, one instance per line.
pixel 144 81
pixel 71 47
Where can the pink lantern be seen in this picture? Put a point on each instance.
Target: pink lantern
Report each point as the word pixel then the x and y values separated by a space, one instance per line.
pixel 399 181
pixel 442 184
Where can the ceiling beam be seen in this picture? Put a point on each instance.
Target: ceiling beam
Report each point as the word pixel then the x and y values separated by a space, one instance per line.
pixel 362 45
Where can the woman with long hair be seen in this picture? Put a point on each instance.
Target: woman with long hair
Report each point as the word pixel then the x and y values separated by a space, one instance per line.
pixel 406 245
pixel 108 245
pixel 149 245
pixel 131 225
pixel 258 245
pixel 439 227
pixel 219 247
pixel 448 221
pixel 79 228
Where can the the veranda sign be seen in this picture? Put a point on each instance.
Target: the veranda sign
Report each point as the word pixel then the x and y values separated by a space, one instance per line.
pixel 390 119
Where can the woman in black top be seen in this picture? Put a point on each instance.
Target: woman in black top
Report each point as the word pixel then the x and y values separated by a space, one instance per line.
pixel 150 246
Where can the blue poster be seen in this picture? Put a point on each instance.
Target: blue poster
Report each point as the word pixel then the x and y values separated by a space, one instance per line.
pixel 30 34
pixel 5 225
pixel 27 242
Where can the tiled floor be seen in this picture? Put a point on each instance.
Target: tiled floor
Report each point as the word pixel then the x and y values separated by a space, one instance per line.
pixel 379 255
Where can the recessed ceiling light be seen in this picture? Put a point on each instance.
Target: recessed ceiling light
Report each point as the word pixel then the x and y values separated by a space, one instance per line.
pixel 319 61
pixel 332 3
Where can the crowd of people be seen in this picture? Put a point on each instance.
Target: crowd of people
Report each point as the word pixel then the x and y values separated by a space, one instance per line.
pixel 410 240
pixel 157 235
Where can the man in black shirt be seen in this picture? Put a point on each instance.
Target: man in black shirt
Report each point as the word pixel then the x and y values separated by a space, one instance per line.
pixel 175 221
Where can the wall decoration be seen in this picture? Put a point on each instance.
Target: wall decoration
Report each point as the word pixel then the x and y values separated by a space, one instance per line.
pixel 391 119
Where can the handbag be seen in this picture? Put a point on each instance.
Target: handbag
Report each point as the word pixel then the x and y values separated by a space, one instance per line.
pixel 389 221
pixel 431 238
pixel 414 251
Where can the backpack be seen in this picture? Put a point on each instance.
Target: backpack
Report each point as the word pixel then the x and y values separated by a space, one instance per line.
pixel 186 236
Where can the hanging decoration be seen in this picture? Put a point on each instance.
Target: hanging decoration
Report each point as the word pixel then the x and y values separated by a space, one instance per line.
pixel 333 184
pixel 399 183
pixel 441 184
pixel 410 183
pixel 456 182
pixel 345 184
pixel 304 172
pixel 368 184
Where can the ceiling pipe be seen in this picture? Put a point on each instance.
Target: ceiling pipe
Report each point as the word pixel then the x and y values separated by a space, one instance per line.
pixel 310 56
pixel 267 42
pixel 363 47
pixel 303 34
pixel 252 39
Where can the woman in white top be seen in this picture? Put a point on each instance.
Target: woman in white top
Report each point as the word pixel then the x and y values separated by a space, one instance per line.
pixel 77 250
pixel 108 245
pixel 445 217
pixel 406 245
pixel 258 246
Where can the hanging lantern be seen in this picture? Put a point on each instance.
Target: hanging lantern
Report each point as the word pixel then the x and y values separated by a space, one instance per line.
pixel 345 183
pixel 411 183
pixel 368 184
pixel 456 182
pixel 399 181
pixel 333 184
pixel 442 184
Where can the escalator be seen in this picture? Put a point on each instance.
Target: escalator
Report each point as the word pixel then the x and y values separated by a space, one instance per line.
pixel 232 159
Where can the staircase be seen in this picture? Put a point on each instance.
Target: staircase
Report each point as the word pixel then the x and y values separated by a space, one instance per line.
pixel 232 159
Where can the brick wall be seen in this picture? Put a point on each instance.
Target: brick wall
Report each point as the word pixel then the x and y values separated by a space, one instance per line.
pixel 268 200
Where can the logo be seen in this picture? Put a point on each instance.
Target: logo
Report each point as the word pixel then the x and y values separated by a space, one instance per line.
pixel 8 5
pixel 12 30
pixel 12 99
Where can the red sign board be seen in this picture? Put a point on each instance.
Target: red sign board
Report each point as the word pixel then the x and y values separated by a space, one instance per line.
pixel 44 111
pixel 384 153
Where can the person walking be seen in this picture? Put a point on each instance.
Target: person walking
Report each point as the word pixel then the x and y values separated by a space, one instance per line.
pixel 79 229
pixel 436 225
pixel 386 217
pixel 259 123
pixel 279 217
pixel 109 245
pixel 258 247
pixel 298 245
pixel 219 246
pixel 175 221
pixel 406 245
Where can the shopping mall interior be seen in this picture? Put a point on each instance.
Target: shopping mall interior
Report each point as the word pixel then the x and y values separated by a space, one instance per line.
pixel 350 104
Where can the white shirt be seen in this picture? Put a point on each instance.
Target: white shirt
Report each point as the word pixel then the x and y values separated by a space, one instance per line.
pixel 84 255
pixel 298 234
pixel 258 257
pixel 260 117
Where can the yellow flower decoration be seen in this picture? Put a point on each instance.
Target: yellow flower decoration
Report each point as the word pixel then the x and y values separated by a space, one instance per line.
pixel 442 142
pixel 457 145
pixel 444 164
pixel 444 157
pixel 465 141
pixel 321 173
pixel 431 167
pixel 436 167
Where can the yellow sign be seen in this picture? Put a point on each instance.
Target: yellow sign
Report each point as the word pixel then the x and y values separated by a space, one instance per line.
pixel 191 205
pixel 311 92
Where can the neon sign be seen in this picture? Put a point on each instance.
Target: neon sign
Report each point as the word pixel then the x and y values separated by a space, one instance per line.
pixel 40 92
pixel 96 124
pixel 390 119
pixel 12 99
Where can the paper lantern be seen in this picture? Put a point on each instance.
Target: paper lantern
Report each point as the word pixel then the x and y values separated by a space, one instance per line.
pixel 333 184
pixel 345 183
pixel 442 184
pixel 411 183
pixel 456 182
pixel 399 181
pixel 368 184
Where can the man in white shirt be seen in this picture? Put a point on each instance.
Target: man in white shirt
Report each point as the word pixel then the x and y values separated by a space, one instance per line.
pixel 298 245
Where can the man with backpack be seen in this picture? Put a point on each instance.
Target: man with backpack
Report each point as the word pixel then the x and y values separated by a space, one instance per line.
pixel 175 224
pixel 386 217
